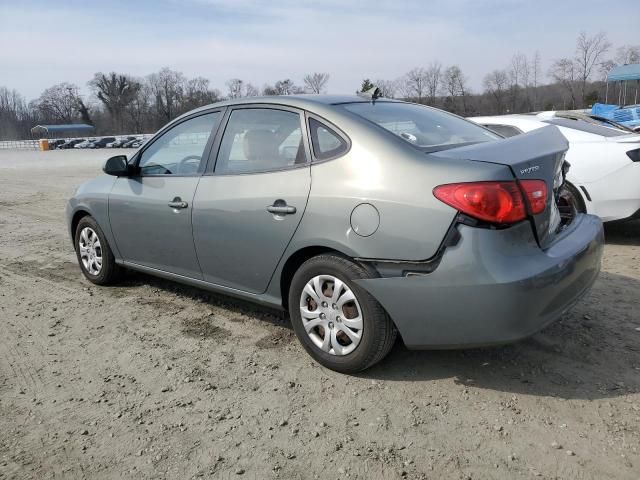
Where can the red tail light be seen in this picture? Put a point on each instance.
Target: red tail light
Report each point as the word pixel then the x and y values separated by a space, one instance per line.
pixel 536 193
pixel 495 202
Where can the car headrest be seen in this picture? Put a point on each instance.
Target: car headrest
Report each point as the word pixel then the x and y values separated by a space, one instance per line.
pixel 260 144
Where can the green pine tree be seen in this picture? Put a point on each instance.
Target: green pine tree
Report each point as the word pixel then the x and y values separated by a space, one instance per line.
pixel 366 85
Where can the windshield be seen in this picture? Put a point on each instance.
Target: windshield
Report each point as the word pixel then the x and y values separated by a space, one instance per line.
pixel 422 126
pixel 584 126
pixel 610 123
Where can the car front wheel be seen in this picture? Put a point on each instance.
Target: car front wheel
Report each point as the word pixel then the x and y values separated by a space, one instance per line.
pixel 338 323
pixel 94 255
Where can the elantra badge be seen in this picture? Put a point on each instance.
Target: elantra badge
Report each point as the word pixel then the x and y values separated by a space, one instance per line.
pixel 526 171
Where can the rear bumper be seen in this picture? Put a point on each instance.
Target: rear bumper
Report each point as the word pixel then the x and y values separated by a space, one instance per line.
pixel 494 286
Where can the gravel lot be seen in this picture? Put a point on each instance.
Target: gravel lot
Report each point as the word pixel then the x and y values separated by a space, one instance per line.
pixel 151 379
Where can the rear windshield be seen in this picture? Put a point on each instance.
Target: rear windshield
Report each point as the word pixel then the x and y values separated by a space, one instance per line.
pixel 422 126
pixel 583 126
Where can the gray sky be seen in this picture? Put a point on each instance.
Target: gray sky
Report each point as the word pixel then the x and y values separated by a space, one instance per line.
pixel 43 43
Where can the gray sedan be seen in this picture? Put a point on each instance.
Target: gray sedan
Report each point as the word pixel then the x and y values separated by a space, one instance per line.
pixel 364 218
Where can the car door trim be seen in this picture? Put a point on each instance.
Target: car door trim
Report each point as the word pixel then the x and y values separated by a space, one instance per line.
pixel 261 298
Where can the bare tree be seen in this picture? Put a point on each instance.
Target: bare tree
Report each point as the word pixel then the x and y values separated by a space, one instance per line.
pixel 496 84
pixel 536 68
pixel 518 70
pixel 285 87
pixel 463 88
pixel 15 116
pixel 455 86
pixel 316 82
pixel 564 72
pixel 235 88
pixel 167 88
pixel 238 88
pixel 59 103
pixel 388 88
pixel 604 68
pixel 416 83
pixel 433 76
pixel 115 91
pixel 627 54
pixel 269 90
pixel 589 53
pixel 198 93
pixel 251 90
pixel 282 87
pixel 139 111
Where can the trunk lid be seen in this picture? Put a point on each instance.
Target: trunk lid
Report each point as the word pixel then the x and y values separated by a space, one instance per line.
pixel 537 155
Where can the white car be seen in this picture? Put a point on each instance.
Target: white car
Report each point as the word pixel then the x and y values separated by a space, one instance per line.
pixel 604 178
pixel 84 143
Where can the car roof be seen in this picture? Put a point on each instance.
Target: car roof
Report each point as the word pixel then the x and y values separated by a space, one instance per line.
pixel 303 101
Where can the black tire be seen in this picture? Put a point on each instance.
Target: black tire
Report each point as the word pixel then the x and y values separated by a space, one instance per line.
pixel 378 331
pixel 110 271
pixel 570 197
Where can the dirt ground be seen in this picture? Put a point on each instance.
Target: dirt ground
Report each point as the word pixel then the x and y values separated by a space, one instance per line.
pixel 150 379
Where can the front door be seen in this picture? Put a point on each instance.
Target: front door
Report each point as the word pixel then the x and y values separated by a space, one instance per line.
pixel 246 212
pixel 150 213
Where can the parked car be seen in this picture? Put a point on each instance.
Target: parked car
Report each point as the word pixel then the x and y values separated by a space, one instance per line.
pixel 129 143
pixel 84 143
pixel 53 144
pixel 604 178
pixel 119 142
pixel 70 143
pixel 101 142
pixel 364 219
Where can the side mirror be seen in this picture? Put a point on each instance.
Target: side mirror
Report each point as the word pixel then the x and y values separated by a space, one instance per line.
pixel 117 166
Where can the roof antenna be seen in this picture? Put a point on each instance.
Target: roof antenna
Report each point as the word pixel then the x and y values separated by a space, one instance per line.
pixel 373 93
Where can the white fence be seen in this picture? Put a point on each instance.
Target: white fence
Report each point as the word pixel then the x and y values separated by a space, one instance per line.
pixel 19 144
pixel 34 145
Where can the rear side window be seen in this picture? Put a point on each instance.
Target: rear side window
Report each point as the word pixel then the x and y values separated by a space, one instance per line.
pixel 261 140
pixel 326 142
pixel 505 130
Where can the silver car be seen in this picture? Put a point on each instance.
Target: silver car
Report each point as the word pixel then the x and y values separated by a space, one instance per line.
pixel 363 218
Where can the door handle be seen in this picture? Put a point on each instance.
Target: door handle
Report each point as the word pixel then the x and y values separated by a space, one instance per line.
pixel 280 207
pixel 177 203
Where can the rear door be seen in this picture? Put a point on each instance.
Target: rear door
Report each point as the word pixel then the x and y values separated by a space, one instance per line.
pixel 150 213
pixel 247 208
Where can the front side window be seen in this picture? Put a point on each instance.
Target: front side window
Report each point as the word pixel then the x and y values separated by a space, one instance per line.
pixel 425 127
pixel 261 140
pixel 179 151
pixel 326 143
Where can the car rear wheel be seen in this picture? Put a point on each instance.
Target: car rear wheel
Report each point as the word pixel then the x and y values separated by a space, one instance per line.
pixel 94 255
pixel 338 323
pixel 570 202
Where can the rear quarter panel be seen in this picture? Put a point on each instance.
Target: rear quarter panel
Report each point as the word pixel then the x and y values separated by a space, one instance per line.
pixel 388 173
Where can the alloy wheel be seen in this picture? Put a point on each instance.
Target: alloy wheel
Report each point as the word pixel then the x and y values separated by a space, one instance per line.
pixel 90 251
